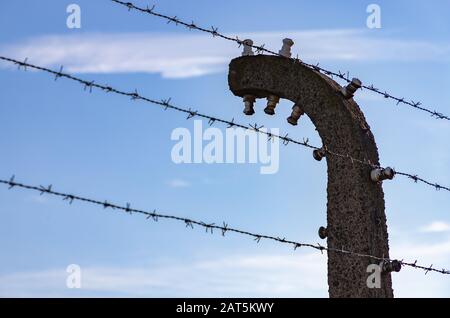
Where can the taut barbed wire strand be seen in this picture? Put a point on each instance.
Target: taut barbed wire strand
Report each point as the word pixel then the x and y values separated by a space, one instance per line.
pixel 134 95
pixel 214 31
pixel 209 227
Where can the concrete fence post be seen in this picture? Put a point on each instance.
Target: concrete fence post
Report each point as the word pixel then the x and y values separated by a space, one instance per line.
pixel 355 209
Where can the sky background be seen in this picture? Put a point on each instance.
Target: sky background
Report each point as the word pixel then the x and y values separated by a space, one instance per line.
pixel 108 147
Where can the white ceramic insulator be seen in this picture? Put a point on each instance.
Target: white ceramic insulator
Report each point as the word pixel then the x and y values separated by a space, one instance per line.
pixel 286 48
pixel 248 50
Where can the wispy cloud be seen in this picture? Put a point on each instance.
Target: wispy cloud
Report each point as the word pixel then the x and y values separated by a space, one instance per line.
pixel 236 275
pixel 259 275
pixel 186 55
pixel 413 283
pixel 178 183
pixel 437 226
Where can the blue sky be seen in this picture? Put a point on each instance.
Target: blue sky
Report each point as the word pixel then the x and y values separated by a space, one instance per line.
pixel 109 147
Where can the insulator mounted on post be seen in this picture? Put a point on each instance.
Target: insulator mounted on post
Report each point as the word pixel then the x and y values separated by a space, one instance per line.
pixel 249 101
pixel 248 49
pixel 286 48
pixel 319 154
pixel 391 266
pixel 297 112
pixel 379 174
pixel 272 102
pixel 323 233
pixel 349 90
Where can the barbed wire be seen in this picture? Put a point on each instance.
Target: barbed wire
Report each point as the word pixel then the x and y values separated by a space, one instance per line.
pixel 416 179
pixel 165 103
pixel 214 31
pixel 209 227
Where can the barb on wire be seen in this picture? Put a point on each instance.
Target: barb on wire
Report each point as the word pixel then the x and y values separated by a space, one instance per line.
pixel 189 224
pixel 224 228
pixel 60 72
pixel 345 76
pixel 209 227
pixel 128 208
pixel 165 103
pixel 416 179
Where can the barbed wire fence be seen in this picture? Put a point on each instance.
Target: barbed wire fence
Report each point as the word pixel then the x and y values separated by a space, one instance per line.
pixel 209 227
pixel 214 31
pixel 166 104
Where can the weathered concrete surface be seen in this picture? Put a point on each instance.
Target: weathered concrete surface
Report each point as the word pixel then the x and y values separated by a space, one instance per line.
pixel 355 209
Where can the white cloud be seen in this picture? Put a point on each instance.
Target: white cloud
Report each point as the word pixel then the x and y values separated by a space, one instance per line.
pixel 178 183
pixel 412 282
pixel 438 252
pixel 437 226
pixel 185 54
pixel 259 275
pixel 238 276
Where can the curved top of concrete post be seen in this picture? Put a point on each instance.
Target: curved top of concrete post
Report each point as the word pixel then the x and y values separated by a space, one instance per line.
pixel 355 209
pixel 319 95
